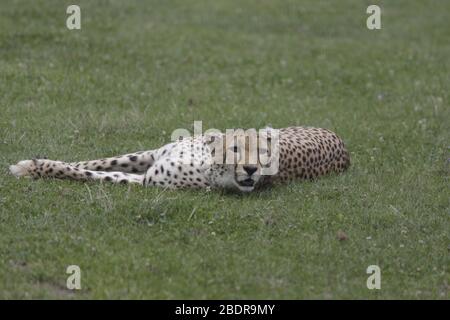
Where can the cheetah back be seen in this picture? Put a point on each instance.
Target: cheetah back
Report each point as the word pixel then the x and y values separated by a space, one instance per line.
pixel 308 153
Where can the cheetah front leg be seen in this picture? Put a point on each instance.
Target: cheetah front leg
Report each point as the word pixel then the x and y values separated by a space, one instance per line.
pixel 43 168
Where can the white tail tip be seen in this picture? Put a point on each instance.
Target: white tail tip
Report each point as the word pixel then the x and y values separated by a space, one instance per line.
pixel 21 168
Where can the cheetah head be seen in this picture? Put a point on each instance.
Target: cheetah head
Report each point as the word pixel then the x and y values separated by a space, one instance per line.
pixel 242 159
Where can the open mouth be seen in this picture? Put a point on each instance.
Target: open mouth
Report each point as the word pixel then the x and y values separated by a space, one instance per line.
pixel 247 183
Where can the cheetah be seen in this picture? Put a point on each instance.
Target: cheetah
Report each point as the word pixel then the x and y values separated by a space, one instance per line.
pixel 210 161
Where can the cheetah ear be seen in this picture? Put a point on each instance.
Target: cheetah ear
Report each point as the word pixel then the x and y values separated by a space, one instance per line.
pixel 212 137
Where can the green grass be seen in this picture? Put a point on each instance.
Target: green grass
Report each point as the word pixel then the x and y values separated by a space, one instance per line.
pixel 139 69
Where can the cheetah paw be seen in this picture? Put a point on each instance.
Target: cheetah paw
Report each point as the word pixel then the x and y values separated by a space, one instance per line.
pixel 23 168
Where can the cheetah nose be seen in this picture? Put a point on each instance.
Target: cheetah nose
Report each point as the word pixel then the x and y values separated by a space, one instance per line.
pixel 250 170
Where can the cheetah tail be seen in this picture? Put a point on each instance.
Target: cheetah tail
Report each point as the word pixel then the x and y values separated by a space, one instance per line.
pixel 21 168
pixel 137 162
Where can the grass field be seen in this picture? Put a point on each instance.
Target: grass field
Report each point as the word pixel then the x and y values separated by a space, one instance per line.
pixel 137 70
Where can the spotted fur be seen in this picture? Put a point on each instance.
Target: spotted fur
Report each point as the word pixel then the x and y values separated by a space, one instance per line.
pixel 305 153
pixel 308 153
